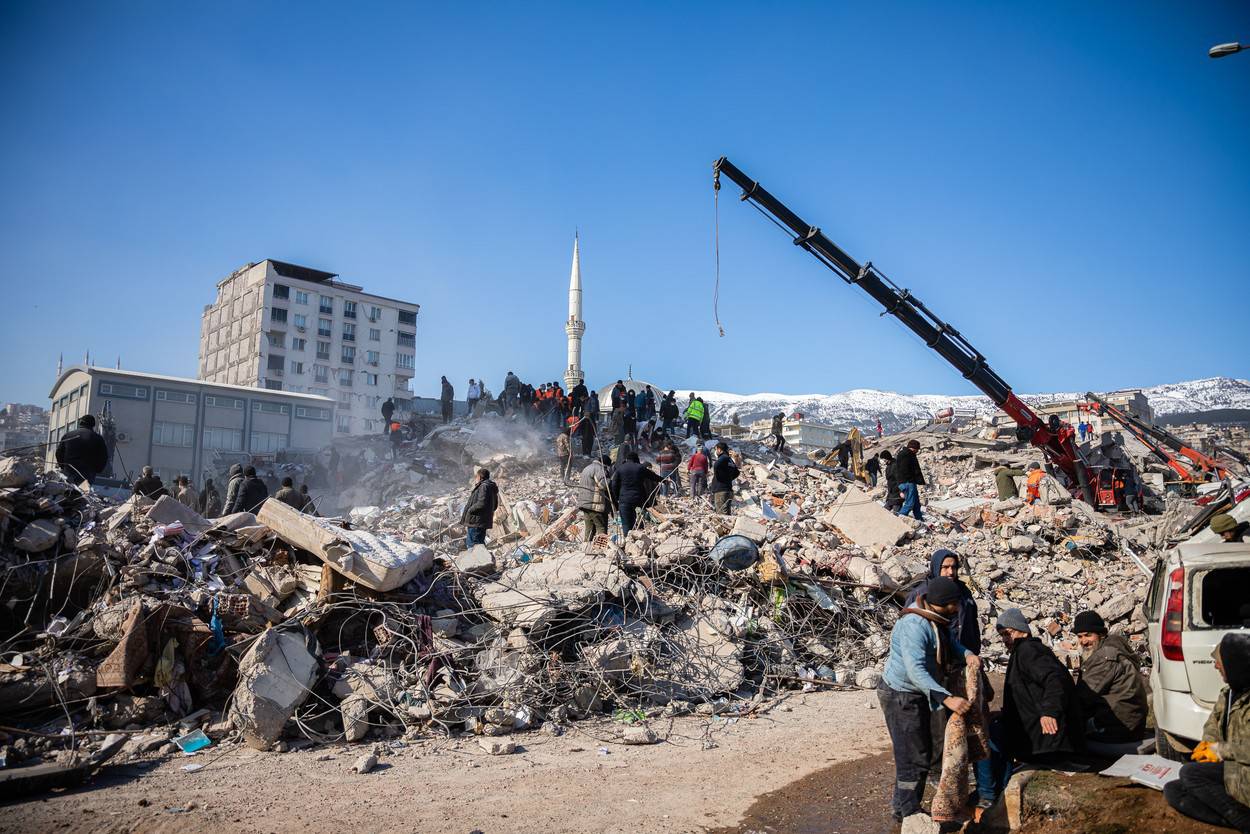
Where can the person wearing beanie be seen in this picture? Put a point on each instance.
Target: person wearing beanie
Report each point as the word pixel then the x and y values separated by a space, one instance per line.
pixel 289 495
pixel 593 498
pixel 965 625
pixel 1215 787
pixel 1041 720
pixel 251 493
pixel 1227 528
pixel 922 652
pixel 234 483
pixel 1109 685
pixel 82 454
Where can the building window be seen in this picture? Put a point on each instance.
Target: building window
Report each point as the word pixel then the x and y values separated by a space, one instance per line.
pixel 276 340
pixel 373 357
pixel 343 424
pixel 273 385
pixel 349 355
pixel 312 413
pixel 301 297
pixel 275 362
pixel 345 398
pixel 269 441
pixel 175 397
pixel 73 395
pixel 270 408
pixel 327 305
pixel 281 291
pixel 349 309
pixel 375 335
pixel 173 434
pixel 405 360
pixel 345 378
pixel 120 389
pixel 299 344
pixel 407 318
pixel 321 373
pixel 406 339
pixel 230 440
pixel 349 332
pixel 224 402
pixel 375 313
pixel 277 314
pixel 324 328
pixel 320 392
pixel 301 320
pixel 297 367
pixel 371 379
pixel 323 350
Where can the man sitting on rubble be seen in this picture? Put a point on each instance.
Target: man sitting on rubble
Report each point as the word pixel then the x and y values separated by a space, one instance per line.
pixel 910 479
pixel 593 498
pixel 724 473
pixel 1215 786
pixel 289 495
pixel 922 652
pixel 1109 685
pixel 82 454
pixel 149 484
pixel 1041 720
pixel 479 509
pixel 1005 479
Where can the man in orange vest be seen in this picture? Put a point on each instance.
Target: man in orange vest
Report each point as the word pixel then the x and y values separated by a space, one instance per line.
pixel 1034 483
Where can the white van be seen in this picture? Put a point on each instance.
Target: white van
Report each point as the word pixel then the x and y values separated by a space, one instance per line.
pixel 1199 593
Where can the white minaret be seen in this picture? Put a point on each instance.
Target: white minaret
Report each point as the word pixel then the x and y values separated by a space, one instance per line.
pixel 575 327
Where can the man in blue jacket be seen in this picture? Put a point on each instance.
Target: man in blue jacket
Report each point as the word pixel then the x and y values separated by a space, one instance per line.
pixel 922 652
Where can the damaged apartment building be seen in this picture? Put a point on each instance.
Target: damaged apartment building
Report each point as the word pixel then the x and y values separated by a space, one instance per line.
pixel 285 327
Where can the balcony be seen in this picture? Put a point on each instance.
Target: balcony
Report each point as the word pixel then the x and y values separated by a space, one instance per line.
pixel 349 360
pixel 326 309
pixel 325 355
pixel 349 337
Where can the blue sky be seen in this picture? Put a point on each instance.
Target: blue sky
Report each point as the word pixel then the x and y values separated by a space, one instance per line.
pixel 1066 183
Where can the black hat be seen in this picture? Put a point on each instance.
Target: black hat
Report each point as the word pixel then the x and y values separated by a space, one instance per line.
pixel 942 591
pixel 1089 622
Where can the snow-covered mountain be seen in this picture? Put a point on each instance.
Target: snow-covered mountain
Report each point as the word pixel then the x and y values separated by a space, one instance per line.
pixel 863 406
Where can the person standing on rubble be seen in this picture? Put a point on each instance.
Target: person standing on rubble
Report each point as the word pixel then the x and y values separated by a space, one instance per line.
pixel 910 479
pixel 234 482
pixel 564 449
pixel 922 652
pixel 629 490
pixel 629 420
pixel 1215 787
pixel 668 460
pixel 592 409
pixel 1005 479
pixel 872 466
pixel 149 484
pixel 1033 483
pixel 694 416
pixel 251 494
pixel 724 473
pixel 289 495
pixel 1109 684
pixel 593 498
pixel 669 411
pixel 82 454
pixel 578 397
pixel 779 440
pixel 844 454
pixel 879 432
pixel 388 408
pixel 184 492
pixel 705 425
pixel 697 466
pixel 586 431
pixel 210 500
pixel 479 509
pixel 893 496
pixel 472 394
pixel 446 398
pixel 309 507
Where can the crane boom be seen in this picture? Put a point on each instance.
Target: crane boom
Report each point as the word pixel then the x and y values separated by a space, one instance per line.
pixel 1053 437
pixel 1156 438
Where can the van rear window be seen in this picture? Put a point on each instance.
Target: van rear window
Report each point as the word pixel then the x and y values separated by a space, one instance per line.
pixel 1225 602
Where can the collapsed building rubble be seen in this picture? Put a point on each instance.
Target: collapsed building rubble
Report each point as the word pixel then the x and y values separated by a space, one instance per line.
pixel 279 628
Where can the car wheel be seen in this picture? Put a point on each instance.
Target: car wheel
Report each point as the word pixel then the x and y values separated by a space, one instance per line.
pixel 1165 748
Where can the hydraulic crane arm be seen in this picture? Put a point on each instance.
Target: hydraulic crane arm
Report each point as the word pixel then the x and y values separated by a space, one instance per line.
pixel 1054 438
pixel 1156 438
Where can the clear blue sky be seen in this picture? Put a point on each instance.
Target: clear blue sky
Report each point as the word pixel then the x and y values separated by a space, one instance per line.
pixel 1067 183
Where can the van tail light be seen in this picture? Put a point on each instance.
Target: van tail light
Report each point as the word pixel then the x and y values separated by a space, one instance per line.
pixel 1172 622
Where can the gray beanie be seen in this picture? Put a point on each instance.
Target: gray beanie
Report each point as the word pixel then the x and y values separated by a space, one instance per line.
pixel 1013 618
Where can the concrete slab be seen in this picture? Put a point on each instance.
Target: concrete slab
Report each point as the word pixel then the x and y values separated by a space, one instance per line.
pixel 865 522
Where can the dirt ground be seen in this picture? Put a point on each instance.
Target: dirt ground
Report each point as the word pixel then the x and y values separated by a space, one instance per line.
pixel 1092 804
pixel 553 784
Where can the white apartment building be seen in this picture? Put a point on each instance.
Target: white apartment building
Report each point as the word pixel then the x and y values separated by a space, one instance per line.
pixel 291 328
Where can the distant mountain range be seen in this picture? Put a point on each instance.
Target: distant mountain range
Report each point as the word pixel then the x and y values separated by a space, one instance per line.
pixel 863 406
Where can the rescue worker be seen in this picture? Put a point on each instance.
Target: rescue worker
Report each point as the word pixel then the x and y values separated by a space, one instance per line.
pixel 1033 483
pixel 1005 479
pixel 910 479
pixel 1109 684
pixel 149 484
pixel 388 408
pixel 479 509
pixel 694 416
pixel 922 651
pixel 82 454
pixel 1227 528
pixel 594 497
pixel 724 472
pixel 1215 787
pixel 289 495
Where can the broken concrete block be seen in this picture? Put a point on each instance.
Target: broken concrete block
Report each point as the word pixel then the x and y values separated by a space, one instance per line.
pixel 865 522
pixel 445 623
pixel 15 472
pixel 867 678
pixel 1020 544
pixel 1117 608
pixel 38 536
pixel 274 679
pixel 497 746
pixel 639 735
pixel 920 823
pixel 167 510
pixel 365 763
pixel 355 711
pixel 478 560
pixel 753 529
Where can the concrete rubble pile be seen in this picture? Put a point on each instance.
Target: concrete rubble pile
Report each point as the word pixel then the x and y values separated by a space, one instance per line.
pixel 281 629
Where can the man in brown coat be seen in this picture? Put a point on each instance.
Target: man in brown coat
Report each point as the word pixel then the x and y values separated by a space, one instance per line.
pixel 1110 685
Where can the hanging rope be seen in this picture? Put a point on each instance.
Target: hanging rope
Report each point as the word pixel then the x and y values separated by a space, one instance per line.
pixel 716 249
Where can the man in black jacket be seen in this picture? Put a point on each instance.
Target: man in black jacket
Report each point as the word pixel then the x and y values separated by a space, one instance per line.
pixel 388 408
pixel 629 489
pixel 479 509
pixel 446 398
pixel 149 484
pixel 251 493
pixel 893 499
pixel 82 454
pixel 1042 721
pixel 724 472
pixel 910 479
